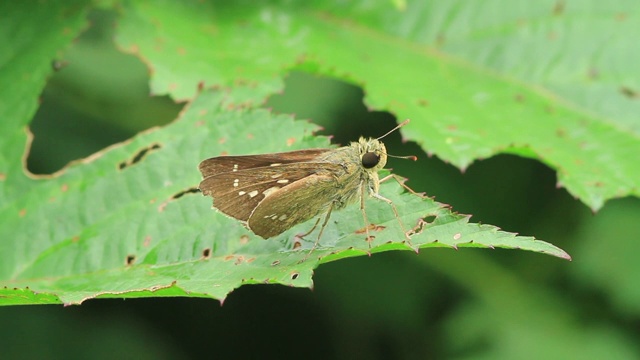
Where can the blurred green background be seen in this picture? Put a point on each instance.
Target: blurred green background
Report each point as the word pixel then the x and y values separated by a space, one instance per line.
pixel 471 303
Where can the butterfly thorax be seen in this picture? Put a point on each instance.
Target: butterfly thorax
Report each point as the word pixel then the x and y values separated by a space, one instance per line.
pixel 361 161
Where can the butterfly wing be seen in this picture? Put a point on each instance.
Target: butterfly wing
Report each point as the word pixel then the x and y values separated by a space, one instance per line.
pixel 238 193
pixel 294 204
pixel 222 164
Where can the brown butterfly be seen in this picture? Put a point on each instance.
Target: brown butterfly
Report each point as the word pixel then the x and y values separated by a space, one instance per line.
pixel 270 193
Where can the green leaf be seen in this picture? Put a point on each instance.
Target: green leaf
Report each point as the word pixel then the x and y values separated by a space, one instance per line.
pixel 33 38
pixel 536 79
pixel 126 223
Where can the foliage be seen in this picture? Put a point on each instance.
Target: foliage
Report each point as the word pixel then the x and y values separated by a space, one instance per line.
pixel 546 81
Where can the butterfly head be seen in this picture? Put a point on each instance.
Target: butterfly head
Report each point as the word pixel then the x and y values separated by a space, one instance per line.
pixel 373 154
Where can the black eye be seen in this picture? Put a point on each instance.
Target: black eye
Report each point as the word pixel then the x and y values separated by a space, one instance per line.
pixel 370 160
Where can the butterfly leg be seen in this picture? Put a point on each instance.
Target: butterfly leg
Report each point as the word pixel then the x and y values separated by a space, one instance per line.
pixel 324 224
pixel 364 217
pixel 310 231
pixel 393 207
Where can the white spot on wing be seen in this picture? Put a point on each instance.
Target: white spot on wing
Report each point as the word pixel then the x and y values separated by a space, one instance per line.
pixel 235 167
pixel 270 191
pixel 276 164
pixel 283 181
pixel 235 182
pixel 282 217
pixel 275 176
pixel 242 193
pixel 253 193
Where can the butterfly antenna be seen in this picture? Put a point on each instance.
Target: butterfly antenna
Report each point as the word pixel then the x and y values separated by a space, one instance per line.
pixel 410 157
pixel 395 128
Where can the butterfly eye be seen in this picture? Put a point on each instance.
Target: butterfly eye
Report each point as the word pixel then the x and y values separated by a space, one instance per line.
pixel 370 160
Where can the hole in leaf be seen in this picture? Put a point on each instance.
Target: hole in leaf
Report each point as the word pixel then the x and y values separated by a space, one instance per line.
pixel 206 253
pixel 429 219
pixel 177 195
pixel 130 260
pixel 191 190
pixel 275 263
pixel 81 113
pixel 295 275
pixel 138 156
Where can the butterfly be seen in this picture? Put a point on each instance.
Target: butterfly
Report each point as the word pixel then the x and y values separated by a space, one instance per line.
pixel 271 193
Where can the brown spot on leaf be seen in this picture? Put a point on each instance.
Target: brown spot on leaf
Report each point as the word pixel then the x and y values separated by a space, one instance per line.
pixel 147 240
pixel 371 227
pixel 22 212
pixel 222 140
pixel 275 263
pixel 64 187
pixel 519 98
pixel 250 136
pixel 629 92
pixel 558 8
pixel 423 103
pixel 290 141
pixel 244 239
pixel 3 176
pixel 58 65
